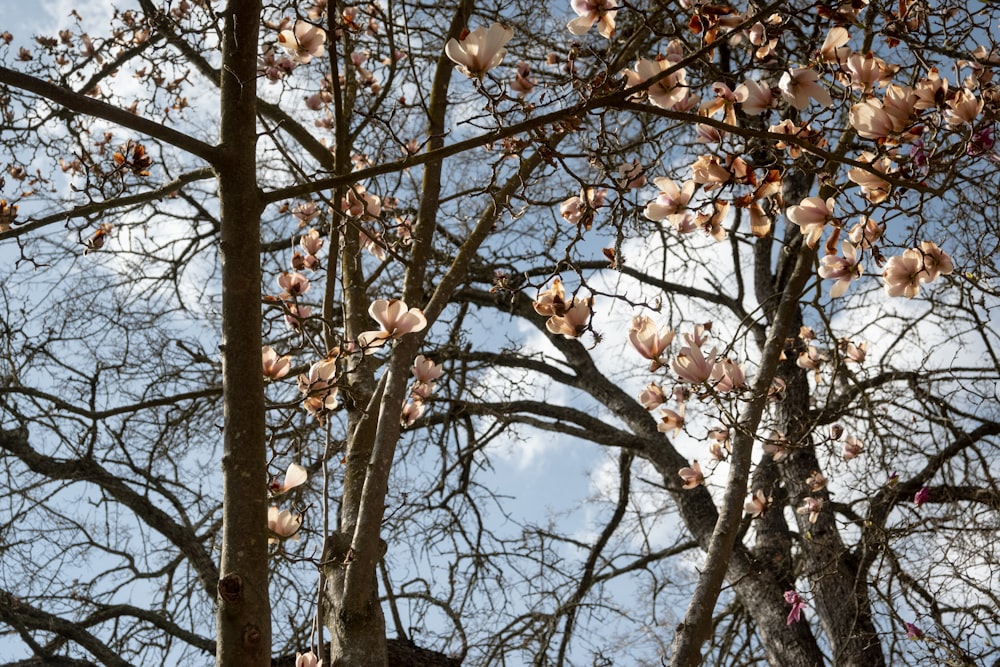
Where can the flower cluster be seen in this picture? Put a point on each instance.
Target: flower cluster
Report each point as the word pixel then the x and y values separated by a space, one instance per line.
pixel 425 373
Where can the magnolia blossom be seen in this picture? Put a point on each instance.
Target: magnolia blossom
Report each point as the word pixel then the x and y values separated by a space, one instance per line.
pixel 812 507
pixel 816 481
pixel 282 525
pixel 293 283
pixel 671 421
pixel 798 86
pixel 411 412
pixel 396 319
pixel 523 83
pixel 295 476
pixel 574 321
pixel 856 353
pixel 652 396
pixel 754 97
pixel 758 504
pixel 319 387
pixel 798 604
pixel 359 203
pixel 480 50
pixel 922 496
pixel 708 170
pixel 936 262
pixel 425 370
pixel 834 49
pixel 304 43
pixel 727 375
pixel 868 71
pixel 631 175
pixel 866 233
pixel 579 210
pixel 692 476
pixel 274 367
pixel 725 101
pixel 589 12
pixel 309 659
pixel 551 302
pixel 963 108
pixel 296 315
pixel 931 91
pixel 852 448
pixel 842 269
pixel 811 215
pixel 873 188
pixel 902 274
pixel 669 91
pixel 311 242
pixel 305 212
pixel 651 342
pixel 913 632
pixel 672 202
pixel 692 366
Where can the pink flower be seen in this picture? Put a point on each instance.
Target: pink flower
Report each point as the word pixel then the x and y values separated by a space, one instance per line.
pixel 758 504
pixel 309 659
pixel 727 375
pixel 812 507
pixel 672 202
pixel 867 71
pixel 963 108
pixel 358 203
pixel 311 242
pixel 274 367
pixel 305 212
pixel 283 525
pixel 864 234
pixel 480 50
pixel 754 97
pixel 692 366
pixel 652 396
pixel 396 319
pixel 411 413
pixel 671 421
pixel 425 370
pixel 776 445
pixel 936 262
pixel 523 83
pixel 692 476
pixel 294 284
pixel 580 210
pixel 668 91
pixel 913 632
pixel 797 86
pixel 842 269
pixel 304 43
pixel 873 188
pixel 296 315
pixel 589 12
pixel 856 353
pixel 552 301
pixel 319 387
pixel 631 175
pixel 852 448
pixel 833 49
pixel 798 604
pixel 810 359
pixel 922 496
pixel 816 481
pixel 902 274
pixel 708 170
pixel 574 322
pixel 295 476
pixel 812 215
pixel 649 341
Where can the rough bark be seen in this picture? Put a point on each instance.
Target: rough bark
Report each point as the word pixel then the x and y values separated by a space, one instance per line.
pixel 244 610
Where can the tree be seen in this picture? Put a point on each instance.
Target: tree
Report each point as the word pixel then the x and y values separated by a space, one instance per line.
pixel 458 227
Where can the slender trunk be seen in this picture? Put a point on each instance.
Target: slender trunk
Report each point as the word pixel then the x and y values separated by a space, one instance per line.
pixel 244 610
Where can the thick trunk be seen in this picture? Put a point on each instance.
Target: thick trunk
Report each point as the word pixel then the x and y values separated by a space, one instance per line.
pixel 244 610
pixel 357 635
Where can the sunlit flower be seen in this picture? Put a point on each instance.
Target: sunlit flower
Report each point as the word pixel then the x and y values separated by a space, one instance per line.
pixel 282 525
pixel 856 353
pixel 708 170
pixel 692 476
pixel 798 604
pixel 274 367
pixel 812 507
pixel 311 242
pixel 812 215
pixel 631 175
pixel 309 659
pixel 727 375
pixel 963 108
pixel 652 396
pixel 931 91
pixel 725 101
pixel 873 188
pixel 296 315
pixel 552 301
pixel 574 321
pixel 692 366
pixel 834 49
pixel 754 97
pixel 295 476
pixel 480 50
pixel 758 504
pixel 304 43
pixel 425 370
pixel 523 83
pixel 411 413
pixel 668 91
pixel 798 86
pixel 318 387
pixel 866 233
pixel 842 269
pixel 293 283
pixel 589 12
pixel 852 448
pixel 579 210
pixel 902 274
pixel 671 203
pixel 651 342
pixel 867 71
pixel 396 319
pixel 359 203
pixel 671 421
pixel 936 262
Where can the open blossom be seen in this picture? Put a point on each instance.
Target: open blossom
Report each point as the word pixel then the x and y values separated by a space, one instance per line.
pixel 309 659
pixel 867 71
pixel 816 481
pixel 552 301
pixel 812 507
pixel 424 370
pixel 758 504
pixel 902 274
pixel 811 215
pixel 589 12
pixel 293 283
pixel 692 476
pixel 282 525
pixel 668 91
pixel 651 342
pixel 873 188
pixel 856 353
pixel 295 476
pixel 936 262
pixel 671 421
pixel 798 604
pixel 359 203
pixel 652 396
pixel 296 315
pixel 523 83
pixel 311 242
pixel 304 43
pixel 319 387
pixel 842 269
pixel 574 321
pixel 396 319
pixel 692 366
pixel 834 49
pixel 480 50
pixel 798 86
pixel 672 202
pixel 866 233
pixel 754 97
pixel 852 448
pixel 579 210
pixel 708 170
pixel 411 412
pixel 963 108
pixel 274 367
pixel 777 445
pixel 727 375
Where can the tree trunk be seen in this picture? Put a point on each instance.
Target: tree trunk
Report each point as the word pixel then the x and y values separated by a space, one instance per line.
pixel 357 637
